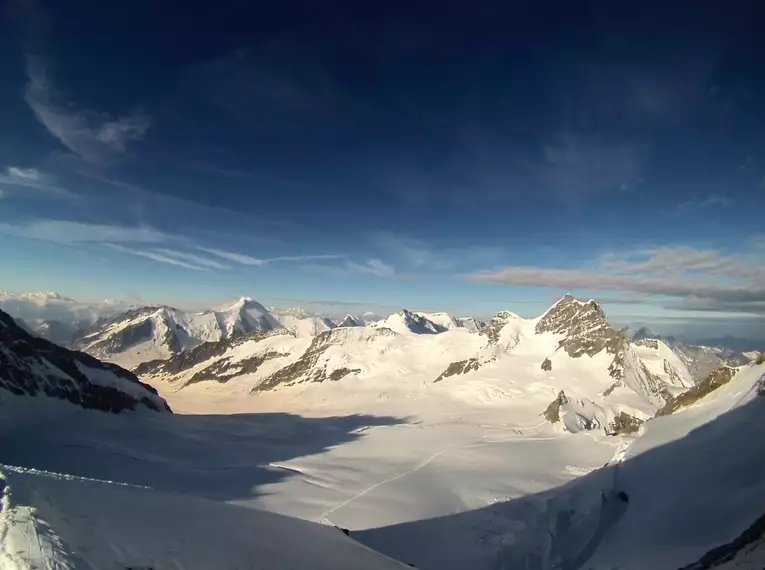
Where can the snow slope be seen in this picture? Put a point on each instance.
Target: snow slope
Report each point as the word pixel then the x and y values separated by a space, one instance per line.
pixel 441 476
pixel 301 323
pixel 51 520
pixel 407 322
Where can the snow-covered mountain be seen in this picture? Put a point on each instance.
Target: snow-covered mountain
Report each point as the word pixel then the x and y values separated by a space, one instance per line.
pixel 447 322
pixel 149 333
pixel 701 359
pixel 349 321
pixel 570 364
pixel 301 323
pixel 460 473
pixel 405 322
pixel 32 366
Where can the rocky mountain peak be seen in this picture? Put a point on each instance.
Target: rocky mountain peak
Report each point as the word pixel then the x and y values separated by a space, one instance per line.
pixel 584 326
pixel 493 328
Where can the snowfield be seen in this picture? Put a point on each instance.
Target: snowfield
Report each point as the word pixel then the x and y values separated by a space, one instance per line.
pixel 441 485
pixel 456 471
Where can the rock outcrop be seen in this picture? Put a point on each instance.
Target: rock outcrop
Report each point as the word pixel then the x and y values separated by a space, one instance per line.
pixel 461 367
pixel 32 366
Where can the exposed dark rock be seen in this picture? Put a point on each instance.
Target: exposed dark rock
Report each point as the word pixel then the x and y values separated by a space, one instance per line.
pixel 224 370
pixel 32 366
pixel 718 378
pixel 623 424
pixel 546 365
pixel 495 325
pixel 191 358
pixel 341 373
pixel 552 413
pixel 461 367
pixel 305 368
pixel 647 342
pixel 608 391
pixel 584 325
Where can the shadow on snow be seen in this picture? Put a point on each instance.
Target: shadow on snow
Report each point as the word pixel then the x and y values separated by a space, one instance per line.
pixel 667 507
pixel 219 457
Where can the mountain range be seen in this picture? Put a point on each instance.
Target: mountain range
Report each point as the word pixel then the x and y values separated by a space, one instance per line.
pixel 470 453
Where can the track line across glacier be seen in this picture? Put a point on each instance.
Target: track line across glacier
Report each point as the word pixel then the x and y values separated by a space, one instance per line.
pixel 323 517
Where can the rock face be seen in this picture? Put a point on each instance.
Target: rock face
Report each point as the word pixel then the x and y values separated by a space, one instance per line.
pixel 493 328
pixel 211 368
pixel 552 413
pixel 712 382
pixel 584 325
pixel 32 366
pixel 311 366
pixel 461 367
pixel 546 365
pixel 623 424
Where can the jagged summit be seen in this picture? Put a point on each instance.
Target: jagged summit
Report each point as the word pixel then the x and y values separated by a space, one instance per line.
pixel 494 327
pixel 147 333
pixel 349 321
pixel 584 324
pixel 406 321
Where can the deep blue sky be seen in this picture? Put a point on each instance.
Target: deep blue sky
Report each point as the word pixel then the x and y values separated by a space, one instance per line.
pixel 466 156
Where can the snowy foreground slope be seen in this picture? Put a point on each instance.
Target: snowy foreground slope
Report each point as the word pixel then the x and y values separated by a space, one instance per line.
pixel 445 486
pixel 63 522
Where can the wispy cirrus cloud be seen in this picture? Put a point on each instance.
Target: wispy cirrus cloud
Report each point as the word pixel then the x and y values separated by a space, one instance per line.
pixel 32 178
pixel 678 277
pixel 157 256
pixel 244 259
pixel 94 136
pixel 71 233
pixel 191 258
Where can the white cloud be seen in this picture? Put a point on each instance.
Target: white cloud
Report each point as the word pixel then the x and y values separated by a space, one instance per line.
pixel 191 258
pixel 94 136
pixel 249 260
pixel 67 232
pixel 155 256
pixel 689 277
pixel 235 257
pixel 372 267
pixel 32 178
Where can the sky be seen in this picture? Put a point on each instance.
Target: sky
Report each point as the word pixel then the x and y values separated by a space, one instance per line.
pixel 347 156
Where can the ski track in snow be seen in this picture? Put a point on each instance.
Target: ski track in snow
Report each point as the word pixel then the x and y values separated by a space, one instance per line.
pixel 323 518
